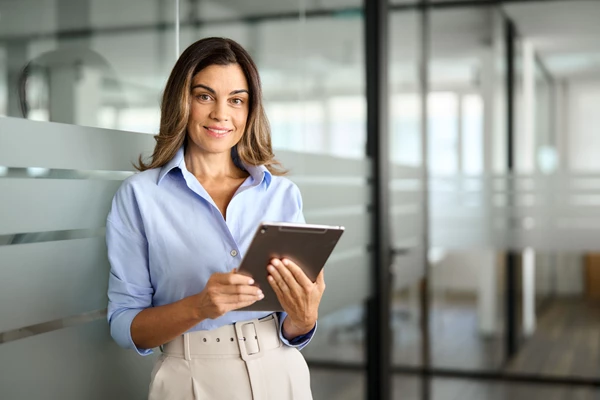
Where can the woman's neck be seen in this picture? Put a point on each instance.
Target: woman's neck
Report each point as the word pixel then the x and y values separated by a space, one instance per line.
pixel 212 166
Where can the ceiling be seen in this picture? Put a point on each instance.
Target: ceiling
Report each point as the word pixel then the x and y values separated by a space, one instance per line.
pixel 565 34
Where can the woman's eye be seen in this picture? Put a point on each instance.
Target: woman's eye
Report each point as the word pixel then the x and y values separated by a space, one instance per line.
pixel 203 97
pixel 237 101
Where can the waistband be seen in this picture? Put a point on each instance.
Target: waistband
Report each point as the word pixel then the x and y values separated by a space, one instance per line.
pixel 245 339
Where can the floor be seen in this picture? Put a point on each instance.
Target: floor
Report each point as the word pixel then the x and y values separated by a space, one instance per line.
pixel 328 385
pixel 566 343
pixel 455 341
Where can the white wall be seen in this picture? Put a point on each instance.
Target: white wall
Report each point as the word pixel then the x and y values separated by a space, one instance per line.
pixel 583 125
pixel 459 272
pixel 570 278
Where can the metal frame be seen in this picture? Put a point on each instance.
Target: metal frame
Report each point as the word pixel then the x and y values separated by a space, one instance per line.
pixel 323 12
pixel 496 376
pixel 378 335
pixel 425 305
pixel 511 334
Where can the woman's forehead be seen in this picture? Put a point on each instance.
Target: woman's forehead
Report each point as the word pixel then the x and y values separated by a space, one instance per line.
pixel 222 77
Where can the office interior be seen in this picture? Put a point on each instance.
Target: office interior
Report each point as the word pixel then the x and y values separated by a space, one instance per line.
pixel 456 140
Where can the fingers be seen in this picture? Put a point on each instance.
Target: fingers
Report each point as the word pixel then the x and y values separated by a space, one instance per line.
pixel 242 304
pixel 298 274
pixel 238 299
pixel 275 286
pixel 321 278
pixel 289 279
pixel 230 288
pixel 233 278
pixel 276 278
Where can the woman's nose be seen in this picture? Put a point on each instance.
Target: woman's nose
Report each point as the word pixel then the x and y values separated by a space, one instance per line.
pixel 219 112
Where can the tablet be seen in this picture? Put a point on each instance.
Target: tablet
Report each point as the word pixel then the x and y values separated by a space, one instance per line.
pixel 309 246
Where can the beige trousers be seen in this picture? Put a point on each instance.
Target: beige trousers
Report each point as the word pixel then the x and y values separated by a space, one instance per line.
pixel 245 361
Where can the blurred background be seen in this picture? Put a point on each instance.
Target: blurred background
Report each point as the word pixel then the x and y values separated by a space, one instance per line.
pixel 486 155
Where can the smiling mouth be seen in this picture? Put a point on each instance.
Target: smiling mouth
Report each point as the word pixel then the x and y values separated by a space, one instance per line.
pixel 217 132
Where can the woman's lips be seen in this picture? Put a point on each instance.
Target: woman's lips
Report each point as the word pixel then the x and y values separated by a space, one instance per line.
pixel 217 132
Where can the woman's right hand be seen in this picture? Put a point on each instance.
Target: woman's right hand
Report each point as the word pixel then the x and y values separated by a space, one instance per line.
pixel 225 292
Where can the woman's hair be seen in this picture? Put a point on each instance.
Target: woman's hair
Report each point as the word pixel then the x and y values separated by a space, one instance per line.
pixel 254 148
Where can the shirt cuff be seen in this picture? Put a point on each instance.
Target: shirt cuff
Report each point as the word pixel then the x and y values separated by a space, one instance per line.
pixel 120 330
pixel 298 342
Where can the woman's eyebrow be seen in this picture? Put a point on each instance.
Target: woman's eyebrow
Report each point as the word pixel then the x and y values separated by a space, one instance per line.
pixel 204 87
pixel 214 92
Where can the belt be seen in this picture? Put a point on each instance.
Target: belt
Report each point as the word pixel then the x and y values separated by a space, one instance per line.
pixel 247 339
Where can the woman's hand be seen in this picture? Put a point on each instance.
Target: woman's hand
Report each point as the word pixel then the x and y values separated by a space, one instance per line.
pixel 298 295
pixel 225 292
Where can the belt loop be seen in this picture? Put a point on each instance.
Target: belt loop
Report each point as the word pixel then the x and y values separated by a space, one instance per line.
pixel 186 346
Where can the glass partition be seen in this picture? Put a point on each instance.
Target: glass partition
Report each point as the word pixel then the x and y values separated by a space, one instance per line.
pixel 93 63
pixel 312 65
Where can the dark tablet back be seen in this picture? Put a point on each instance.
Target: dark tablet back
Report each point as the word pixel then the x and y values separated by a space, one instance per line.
pixel 309 246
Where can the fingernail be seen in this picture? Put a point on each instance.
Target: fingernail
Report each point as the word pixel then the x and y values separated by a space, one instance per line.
pixel 286 262
pixel 260 292
pixel 261 296
pixel 251 282
pixel 271 268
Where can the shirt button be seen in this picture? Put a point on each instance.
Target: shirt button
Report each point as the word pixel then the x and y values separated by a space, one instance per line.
pixel 233 253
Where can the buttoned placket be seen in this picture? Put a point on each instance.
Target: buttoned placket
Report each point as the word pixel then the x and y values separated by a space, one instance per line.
pixel 227 224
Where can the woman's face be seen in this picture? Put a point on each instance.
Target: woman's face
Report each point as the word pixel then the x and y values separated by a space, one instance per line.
pixel 219 108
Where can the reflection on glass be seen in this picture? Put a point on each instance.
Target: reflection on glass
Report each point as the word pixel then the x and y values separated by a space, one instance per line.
pixel 405 189
pixel 311 62
pixel 472 134
pixel 442 108
pixel 92 63
pixel 465 273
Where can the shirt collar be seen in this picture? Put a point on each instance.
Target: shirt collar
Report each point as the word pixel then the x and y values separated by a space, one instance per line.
pixel 173 163
pixel 259 173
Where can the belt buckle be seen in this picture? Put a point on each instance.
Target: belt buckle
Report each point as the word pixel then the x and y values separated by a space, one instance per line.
pixel 242 343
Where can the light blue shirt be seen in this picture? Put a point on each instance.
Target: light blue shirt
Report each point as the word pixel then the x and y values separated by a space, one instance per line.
pixel 166 237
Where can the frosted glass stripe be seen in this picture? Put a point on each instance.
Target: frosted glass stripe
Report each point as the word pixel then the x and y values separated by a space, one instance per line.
pixel 358 229
pixel 80 362
pixel 405 172
pixel 405 197
pixel 62 146
pixel 50 326
pixel 47 173
pixel 47 281
pixel 36 205
pixel 51 236
pixel 348 281
pixel 326 196
pixel 323 165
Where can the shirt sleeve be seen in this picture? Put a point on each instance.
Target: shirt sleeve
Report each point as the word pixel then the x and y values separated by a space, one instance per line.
pixel 129 288
pixel 298 216
pixel 299 342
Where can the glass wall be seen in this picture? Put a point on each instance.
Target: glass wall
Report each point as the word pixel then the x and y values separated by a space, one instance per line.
pixel 457 209
pixel 406 187
pixel 93 63
pixel 465 295
pixel 104 64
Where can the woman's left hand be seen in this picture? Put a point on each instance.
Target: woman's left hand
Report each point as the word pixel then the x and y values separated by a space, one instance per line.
pixel 298 295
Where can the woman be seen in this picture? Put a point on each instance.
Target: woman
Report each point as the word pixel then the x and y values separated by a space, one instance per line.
pixel 178 229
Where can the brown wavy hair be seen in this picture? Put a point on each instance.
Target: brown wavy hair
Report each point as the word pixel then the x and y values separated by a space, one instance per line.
pixel 254 148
